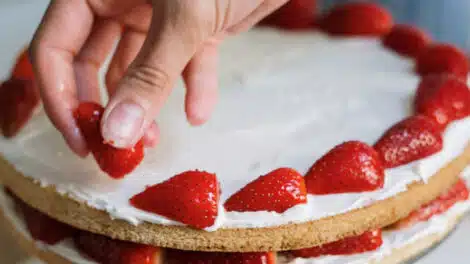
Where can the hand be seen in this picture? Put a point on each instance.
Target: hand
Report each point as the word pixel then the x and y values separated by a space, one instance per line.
pixel 181 37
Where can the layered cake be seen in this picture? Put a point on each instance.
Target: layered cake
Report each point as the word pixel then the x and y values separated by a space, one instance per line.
pixel 347 139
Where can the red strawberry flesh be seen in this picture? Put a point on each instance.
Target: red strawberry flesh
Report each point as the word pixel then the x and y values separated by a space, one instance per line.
pixel 193 257
pixel 116 162
pixel 276 191
pixel 443 58
pixel 412 139
pixel 23 68
pixel 443 98
pixel 110 251
pixel 18 100
pixel 295 14
pixel 349 167
pixel 406 40
pixel 458 192
pixel 191 198
pixel 357 19
pixel 368 241
pixel 40 226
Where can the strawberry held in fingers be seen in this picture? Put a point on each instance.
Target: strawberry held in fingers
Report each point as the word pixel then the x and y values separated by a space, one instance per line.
pixel 276 191
pixel 117 163
pixel 191 198
pixel 406 40
pixel 295 14
pixel 105 250
pixel 357 19
pixel 349 167
pixel 18 100
pixel 193 257
pixel 443 98
pixel 412 139
pixel 368 241
pixel 23 68
pixel 443 58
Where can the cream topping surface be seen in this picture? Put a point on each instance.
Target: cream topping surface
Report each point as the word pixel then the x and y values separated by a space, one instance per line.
pixel 285 100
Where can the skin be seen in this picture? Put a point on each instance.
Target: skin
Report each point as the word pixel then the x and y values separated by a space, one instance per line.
pixel 159 41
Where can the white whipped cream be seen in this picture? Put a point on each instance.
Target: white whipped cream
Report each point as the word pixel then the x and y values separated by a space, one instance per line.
pixel 391 239
pixel 285 100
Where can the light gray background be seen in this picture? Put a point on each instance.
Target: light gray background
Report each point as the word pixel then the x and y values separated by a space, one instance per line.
pixel 17 23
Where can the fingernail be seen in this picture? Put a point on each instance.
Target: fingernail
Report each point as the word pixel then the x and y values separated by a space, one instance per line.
pixel 123 123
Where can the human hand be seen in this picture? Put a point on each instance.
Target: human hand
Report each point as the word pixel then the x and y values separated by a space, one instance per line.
pixel 181 37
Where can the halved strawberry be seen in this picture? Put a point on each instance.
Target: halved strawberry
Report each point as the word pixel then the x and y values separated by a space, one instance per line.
pixel 18 100
pixel 193 257
pixel 40 226
pixel 409 140
pixel 191 198
pixel 406 40
pixel 442 58
pixel 295 14
pixel 117 163
pixel 443 98
pixel 110 251
pixel 23 68
pixel 368 241
pixel 276 191
pixel 458 192
pixel 349 167
pixel 357 19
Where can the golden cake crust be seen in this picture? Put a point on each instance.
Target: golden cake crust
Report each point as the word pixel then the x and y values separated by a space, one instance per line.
pixel 281 238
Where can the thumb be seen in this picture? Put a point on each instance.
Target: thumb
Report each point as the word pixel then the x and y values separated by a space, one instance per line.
pixel 170 44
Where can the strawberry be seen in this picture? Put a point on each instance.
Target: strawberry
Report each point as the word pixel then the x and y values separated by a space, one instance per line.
pixel 276 191
pixel 406 40
pixel 443 98
pixel 442 58
pixel 23 68
pixel 191 198
pixel 18 100
pixel 110 251
pixel 40 226
pixel 295 14
pixel 349 167
pixel 458 192
pixel 368 241
pixel 117 163
pixel 357 19
pixel 409 140
pixel 193 257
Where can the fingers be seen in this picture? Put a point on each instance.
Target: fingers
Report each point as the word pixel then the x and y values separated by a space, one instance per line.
pixel 92 56
pixel 263 10
pixel 60 36
pixel 201 83
pixel 171 42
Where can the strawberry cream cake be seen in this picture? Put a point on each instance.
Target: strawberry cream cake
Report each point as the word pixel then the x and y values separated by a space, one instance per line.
pixel 346 138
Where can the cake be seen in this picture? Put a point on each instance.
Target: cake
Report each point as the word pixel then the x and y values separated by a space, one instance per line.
pixel 317 138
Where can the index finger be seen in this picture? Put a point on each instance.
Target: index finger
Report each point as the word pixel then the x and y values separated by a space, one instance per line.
pixel 60 36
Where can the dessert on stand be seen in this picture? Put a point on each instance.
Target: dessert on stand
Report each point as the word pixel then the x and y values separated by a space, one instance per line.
pixel 342 141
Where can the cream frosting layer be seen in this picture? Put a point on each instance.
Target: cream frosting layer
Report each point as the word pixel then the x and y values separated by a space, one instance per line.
pixel 391 240
pixel 285 100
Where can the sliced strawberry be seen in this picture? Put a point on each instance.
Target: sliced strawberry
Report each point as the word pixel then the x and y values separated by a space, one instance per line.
pixel 412 139
pixel 458 192
pixel 349 167
pixel 40 226
pixel 368 241
pixel 23 68
pixel 276 191
pixel 406 40
pixel 117 163
pixel 110 251
pixel 191 198
pixel 193 257
pixel 443 98
pixel 295 14
pixel 357 19
pixel 18 100
pixel 442 58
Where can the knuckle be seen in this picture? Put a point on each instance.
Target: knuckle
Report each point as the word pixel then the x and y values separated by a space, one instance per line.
pixel 149 79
